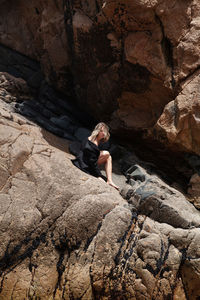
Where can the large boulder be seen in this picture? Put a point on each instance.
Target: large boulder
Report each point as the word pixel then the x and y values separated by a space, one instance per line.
pixel 65 234
pixel 179 124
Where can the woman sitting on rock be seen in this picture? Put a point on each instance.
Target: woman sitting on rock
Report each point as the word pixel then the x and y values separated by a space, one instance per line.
pixel 90 157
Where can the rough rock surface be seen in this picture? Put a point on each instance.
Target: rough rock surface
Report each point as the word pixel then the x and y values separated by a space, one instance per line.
pixel 179 124
pixel 129 59
pixel 63 233
pixel 136 56
pixel 36 29
pixel 67 235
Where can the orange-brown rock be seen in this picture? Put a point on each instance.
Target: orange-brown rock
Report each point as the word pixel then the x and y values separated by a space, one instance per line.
pixel 63 233
pixel 179 124
pixel 129 59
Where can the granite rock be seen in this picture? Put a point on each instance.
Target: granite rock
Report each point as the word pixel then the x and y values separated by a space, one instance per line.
pixel 65 234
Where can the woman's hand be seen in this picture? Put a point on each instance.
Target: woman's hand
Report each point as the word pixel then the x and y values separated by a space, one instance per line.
pixel 100 178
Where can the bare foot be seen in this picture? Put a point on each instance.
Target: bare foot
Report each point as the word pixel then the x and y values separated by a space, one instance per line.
pixel 113 185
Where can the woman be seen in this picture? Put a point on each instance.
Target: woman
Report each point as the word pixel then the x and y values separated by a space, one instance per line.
pixel 90 157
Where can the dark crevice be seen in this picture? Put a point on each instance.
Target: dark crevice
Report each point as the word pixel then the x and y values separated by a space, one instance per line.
pixel 167 49
pixel 60 269
pixel 97 6
pixel 37 11
pixel 160 263
pixel 121 258
pixel 64 247
pixel 85 249
pixel 179 273
pixel 11 258
pixel 90 239
pixel 64 287
pixel 123 239
pixel 56 4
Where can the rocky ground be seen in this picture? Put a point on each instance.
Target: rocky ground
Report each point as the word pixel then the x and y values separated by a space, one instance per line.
pixel 63 233
pixel 67 235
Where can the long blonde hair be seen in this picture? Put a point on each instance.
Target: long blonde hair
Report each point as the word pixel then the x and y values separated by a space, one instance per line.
pixel 96 131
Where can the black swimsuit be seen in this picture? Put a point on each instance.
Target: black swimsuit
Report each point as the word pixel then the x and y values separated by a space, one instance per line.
pixel 87 158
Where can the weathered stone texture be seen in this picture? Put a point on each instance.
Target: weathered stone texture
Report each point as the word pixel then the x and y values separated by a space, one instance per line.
pixel 179 124
pixel 65 234
pixel 129 59
pixel 36 29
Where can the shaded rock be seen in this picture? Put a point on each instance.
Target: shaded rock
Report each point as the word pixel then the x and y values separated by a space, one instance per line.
pixel 44 39
pixel 13 89
pixel 148 51
pixel 135 173
pixel 20 66
pixel 82 133
pixel 64 122
pixel 152 197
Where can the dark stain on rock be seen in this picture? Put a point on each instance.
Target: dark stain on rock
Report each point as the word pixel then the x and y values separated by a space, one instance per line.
pixel 13 258
pixel 10 258
pixel 160 262
pixel 64 246
pixel 94 51
pixel 60 269
pixel 134 78
pixel 123 239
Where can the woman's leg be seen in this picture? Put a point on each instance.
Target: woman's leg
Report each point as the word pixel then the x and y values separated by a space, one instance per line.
pixel 105 158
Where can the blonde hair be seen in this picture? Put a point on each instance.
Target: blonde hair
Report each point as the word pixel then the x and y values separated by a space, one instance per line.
pixel 97 129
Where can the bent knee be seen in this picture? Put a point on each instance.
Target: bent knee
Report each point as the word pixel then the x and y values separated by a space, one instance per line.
pixel 105 154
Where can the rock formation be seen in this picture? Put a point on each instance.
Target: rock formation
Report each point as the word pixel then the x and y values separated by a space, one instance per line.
pixel 179 123
pixel 66 235
pixel 139 56
pixel 63 233
pixel 126 60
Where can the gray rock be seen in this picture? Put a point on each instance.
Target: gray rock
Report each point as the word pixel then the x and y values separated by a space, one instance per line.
pixel 135 173
pixel 82 133
pixel 64 122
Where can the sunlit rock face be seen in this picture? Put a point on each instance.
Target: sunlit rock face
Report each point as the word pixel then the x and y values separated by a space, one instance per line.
pixel 65 234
